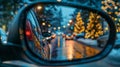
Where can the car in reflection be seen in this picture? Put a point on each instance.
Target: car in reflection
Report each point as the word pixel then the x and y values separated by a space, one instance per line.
pixel 3 36
pixel 49 38
pixel 38 42
pixel 77 36
pixel 68 36
pixel 102 40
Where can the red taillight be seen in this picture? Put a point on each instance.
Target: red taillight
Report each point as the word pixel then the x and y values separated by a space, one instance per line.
pixel 28 30
pixel 28 33
pixel 64 35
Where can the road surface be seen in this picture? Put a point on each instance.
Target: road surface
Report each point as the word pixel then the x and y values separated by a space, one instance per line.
pixel 70 49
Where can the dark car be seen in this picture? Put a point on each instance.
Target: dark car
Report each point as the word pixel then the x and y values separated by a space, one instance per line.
pixel 102 40
pixel 68 36
pixel 81 35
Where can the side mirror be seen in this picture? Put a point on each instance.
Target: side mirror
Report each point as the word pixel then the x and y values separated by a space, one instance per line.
pixel 57 33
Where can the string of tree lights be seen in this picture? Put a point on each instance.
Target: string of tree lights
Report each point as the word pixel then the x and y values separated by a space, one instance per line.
pixel 112 7
pixel 79 25
pixel 94 28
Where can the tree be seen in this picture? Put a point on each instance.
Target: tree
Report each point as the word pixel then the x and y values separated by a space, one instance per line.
pixel 79 25
pixel 112 7
pixel 50 15
pixel 94 27
pixel 8 8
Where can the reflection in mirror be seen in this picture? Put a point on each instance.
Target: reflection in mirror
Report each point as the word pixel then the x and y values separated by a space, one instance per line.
pixel 65 33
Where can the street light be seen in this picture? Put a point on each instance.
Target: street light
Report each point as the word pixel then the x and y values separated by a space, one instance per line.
pixel 49 25
pixel 49 31
pixel 106 28
pixel 43 24
pixel 54 28
pixel 70 21
pixel 68 24
pixel 59 0
pixel 64 26
pixel 116 7
pixel 115 19
pixel 39 7
pixel 59 28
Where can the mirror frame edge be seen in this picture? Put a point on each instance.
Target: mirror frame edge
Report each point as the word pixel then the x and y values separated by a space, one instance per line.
pixel 101 55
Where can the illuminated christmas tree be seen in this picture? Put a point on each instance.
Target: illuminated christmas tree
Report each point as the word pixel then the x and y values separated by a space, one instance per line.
pixel 79 25
pixel 94 27
pixel 112 7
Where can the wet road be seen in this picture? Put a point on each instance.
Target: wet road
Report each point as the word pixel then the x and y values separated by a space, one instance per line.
pixel 70 49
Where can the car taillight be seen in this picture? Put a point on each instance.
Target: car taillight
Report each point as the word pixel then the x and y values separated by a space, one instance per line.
pixel 53 36
pixel 28 30
pixel 74 34
pixel 28 33
pixel 64 35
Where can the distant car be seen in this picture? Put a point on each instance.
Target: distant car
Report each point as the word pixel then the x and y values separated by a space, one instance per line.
pixel 50 38
pixel 68 36
pixel 59 33
pixel 3 36
pixel 81 35
pixel 102 40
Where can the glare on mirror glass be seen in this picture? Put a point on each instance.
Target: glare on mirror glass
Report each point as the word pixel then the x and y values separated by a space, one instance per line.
pixel 65 33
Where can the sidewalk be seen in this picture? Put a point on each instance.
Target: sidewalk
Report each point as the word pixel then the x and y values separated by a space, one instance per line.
pixel 88 42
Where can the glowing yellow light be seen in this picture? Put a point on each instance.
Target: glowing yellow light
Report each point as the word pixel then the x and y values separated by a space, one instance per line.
pixel 117 30
pixel 54 28
pixel 109 12
pixel 49 25
pixel 59 0
pixel 39 7
pixel 115 19
pixel 43 24
pixel 103 7
pixel 116 13
pixel 106 28
pixel 116 7
pixel 96 35
pixel 4 27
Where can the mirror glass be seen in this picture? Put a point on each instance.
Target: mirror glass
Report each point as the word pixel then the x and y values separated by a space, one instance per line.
pixel 55 32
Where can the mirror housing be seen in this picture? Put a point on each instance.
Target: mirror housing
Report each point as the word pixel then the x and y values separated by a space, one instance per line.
pixel 21 17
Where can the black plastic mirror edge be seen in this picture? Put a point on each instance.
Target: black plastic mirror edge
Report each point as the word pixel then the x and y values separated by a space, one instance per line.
pixel 104 53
